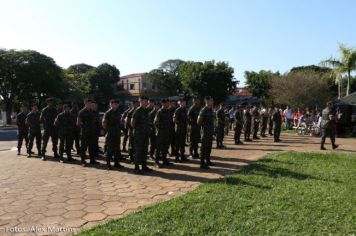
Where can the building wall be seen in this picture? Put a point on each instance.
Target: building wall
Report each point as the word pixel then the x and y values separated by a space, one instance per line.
pixel 136 84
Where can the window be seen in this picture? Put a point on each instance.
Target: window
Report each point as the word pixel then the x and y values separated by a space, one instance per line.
pixel 132 86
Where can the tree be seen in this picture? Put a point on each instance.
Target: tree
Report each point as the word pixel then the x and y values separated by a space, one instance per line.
pixel 208 79
pixel 26 76
pixel 78 86
pixel 300 89
pixel 102 80
pixel 81 68
pixel 166 77
pixel 259 83
pixel 346 64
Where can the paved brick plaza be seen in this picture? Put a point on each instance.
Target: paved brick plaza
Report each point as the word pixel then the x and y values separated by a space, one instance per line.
pixel 42 194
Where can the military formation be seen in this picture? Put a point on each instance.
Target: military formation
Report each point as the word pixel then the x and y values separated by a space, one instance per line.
pixel 147 129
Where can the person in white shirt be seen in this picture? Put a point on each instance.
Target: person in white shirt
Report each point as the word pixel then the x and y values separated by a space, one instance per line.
pixel 288 114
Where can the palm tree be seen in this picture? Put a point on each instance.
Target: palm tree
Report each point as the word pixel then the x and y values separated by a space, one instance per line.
pixel 346 64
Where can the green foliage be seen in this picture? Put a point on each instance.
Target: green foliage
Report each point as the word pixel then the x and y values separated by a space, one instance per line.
pixel 81 68
pixel 166 77
pixel 208 79
pixel 259 83
pixel 78 84
pixel 282 194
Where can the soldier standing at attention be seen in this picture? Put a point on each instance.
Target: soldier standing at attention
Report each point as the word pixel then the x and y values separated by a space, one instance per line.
pixel 161 122
pixel 153 138
pixel 247 124
pixel 65 123
pixel 95 110
pixel 194 138
pixel 22 129
pixel 140 124
pixel 256 122
pixel 112 125
pixel 277 122
pixel 76 130
pixel 239 123
pixel 180 120
pixel 48 115
pixel 86 121
pixel 125 128
pixel 34 123
pixel 265 116
pixel 206 121
pixel 172 108
pixel 270 120
pixel 220 126
pixel 131 150
pixel 328 123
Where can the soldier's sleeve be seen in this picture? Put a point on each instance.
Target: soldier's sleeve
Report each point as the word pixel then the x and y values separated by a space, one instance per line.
pixel 42 116
pixel 157 119
pixel 135 117
pixel 57 120
pixel 105 120
pixel 201 116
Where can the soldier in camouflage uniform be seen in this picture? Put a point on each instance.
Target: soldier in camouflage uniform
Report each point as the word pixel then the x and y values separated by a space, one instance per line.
pixel 76 130
pixel 247 124
pixel 140 124
pixel 171 109
pixel 239 123
pixel 112 125
pixel 87 122
pixel 22 129
pixel 65 123
pixel 206 121
pixel 33 121
pixel 180 121
pixel 161 122
pixel 328 123
pixel 48 115
pixel 194 138
pixel 153 138
pixel 265 116
pixel 95 110
pixel 131 150
pixel 220 126
pixel 270 120
pixel 256 122
pixel 277 123
pixel 125 128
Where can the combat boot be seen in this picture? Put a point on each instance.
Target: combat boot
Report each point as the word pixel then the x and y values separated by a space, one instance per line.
pixel 137 170
pixel 209 163
pixel 203 165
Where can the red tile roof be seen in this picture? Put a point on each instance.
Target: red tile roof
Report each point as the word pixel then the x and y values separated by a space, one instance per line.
pixel 242 92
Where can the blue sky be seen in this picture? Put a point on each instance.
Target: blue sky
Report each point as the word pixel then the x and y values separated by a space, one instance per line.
pixel 137 36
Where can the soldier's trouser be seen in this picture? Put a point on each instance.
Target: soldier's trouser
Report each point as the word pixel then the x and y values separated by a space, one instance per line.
pixel 325 133
pixel 65 145
pixel 205 149
pixel 256 126
pixel 276 132
pixel 52 133
pixel 247 131
pixel 172 142
pixel 237 134
pixel 194 138
pixel 131 149
pixel 75 140
pixel 87 141
pixel 141 149
pixel 270 126
pixel 162 145
pixel 180 136
pixel 20 137
pixel 220 133
pixel 153 143
pixel 126 136
pixel 113 148
pixel 264 126
pixel 31 137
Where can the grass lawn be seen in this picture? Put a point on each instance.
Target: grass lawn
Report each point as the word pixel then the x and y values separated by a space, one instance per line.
pixel 282 194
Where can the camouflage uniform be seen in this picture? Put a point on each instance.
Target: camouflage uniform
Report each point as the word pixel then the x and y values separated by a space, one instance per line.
pixel 125 130
pixel 180 117
pixel 193 114
pixel 270 121
pixel 153 138
pixel 264 123
pixel 239 122
pixel 48 115
pixel 327 127
pixel 131 149
pixel 87 134
pixel 277 122
pixel 66 126
pixel 162 125
pixel 141 136
pixel 207 116
pixel 22 130
pixel 256 122
pixel 34 124
pixel 112 119
pixel 171 132
pixel 247 125
pixel 220 126
pixel 76 131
